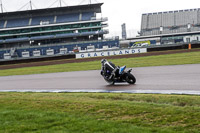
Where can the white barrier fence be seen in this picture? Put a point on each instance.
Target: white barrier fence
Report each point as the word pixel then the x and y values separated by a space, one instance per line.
pixel 110 53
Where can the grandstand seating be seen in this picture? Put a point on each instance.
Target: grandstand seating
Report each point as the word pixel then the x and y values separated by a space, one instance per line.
pixel 2 23
pixel 78 34
pixel 66 35
pixel 49 19
pixel 16 40
pixel 37 20
pixel 87 16
pixel 42 37
pixel 172 22
pixel 51 36
pixel 22 22
pixel 68 25
pixel 67 18
pixel 17 22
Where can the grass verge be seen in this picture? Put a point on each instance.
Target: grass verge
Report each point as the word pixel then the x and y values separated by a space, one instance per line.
pixel 161 60
pixel 93 112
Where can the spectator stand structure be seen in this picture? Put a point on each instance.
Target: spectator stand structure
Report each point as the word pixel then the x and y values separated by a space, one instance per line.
pixel 52 31
pixel 170 28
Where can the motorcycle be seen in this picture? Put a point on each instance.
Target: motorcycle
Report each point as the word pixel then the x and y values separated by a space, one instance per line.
pixel 120 76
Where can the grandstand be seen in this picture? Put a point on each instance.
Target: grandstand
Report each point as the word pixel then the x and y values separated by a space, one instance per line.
pixel 170 22
pixel 52 31
pixel 169 28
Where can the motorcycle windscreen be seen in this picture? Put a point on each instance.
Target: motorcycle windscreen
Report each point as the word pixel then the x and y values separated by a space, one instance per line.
pixel 121 70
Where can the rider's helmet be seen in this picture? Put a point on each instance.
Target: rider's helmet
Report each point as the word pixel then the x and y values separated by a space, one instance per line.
pixel 103 61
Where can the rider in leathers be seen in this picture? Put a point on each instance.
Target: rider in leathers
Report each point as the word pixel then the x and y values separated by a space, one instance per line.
pixel 108 69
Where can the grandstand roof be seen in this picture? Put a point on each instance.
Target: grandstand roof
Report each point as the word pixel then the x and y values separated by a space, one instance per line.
pixel 67 9
pixel 175 11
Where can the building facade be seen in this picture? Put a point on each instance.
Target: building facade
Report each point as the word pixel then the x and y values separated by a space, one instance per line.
pixel 168 28
pixel 170 22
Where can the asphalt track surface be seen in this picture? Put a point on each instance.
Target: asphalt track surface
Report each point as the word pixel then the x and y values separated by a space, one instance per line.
pixel 179 79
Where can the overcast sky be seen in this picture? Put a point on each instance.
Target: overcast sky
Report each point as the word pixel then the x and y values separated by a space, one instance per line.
pixel 117 11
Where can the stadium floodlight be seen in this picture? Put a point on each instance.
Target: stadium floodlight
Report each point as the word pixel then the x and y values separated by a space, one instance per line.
pixel 59 2
pixel 31 5
pixel 28 5
pixel 90 2
pixel 1 6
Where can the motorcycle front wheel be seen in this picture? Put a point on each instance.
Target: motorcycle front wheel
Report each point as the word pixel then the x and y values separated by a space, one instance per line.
pixel 130 78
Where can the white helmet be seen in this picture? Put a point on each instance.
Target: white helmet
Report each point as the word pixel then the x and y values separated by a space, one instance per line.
pixel 103 61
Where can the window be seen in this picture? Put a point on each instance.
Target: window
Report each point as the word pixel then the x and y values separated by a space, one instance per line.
pixel 189 26
pixel 187 39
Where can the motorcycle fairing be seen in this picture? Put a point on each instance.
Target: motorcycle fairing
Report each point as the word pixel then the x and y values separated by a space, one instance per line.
pixel 121 69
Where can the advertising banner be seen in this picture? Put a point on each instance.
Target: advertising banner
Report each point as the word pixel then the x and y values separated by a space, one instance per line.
pixel 25 54
pixel 7 56
pixel 110 53
pixel 36 53
pixel 50 52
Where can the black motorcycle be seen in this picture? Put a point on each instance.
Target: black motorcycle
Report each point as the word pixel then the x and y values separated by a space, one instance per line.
pixel 119 76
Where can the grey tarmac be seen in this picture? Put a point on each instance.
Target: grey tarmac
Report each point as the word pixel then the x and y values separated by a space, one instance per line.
pixel 179 79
